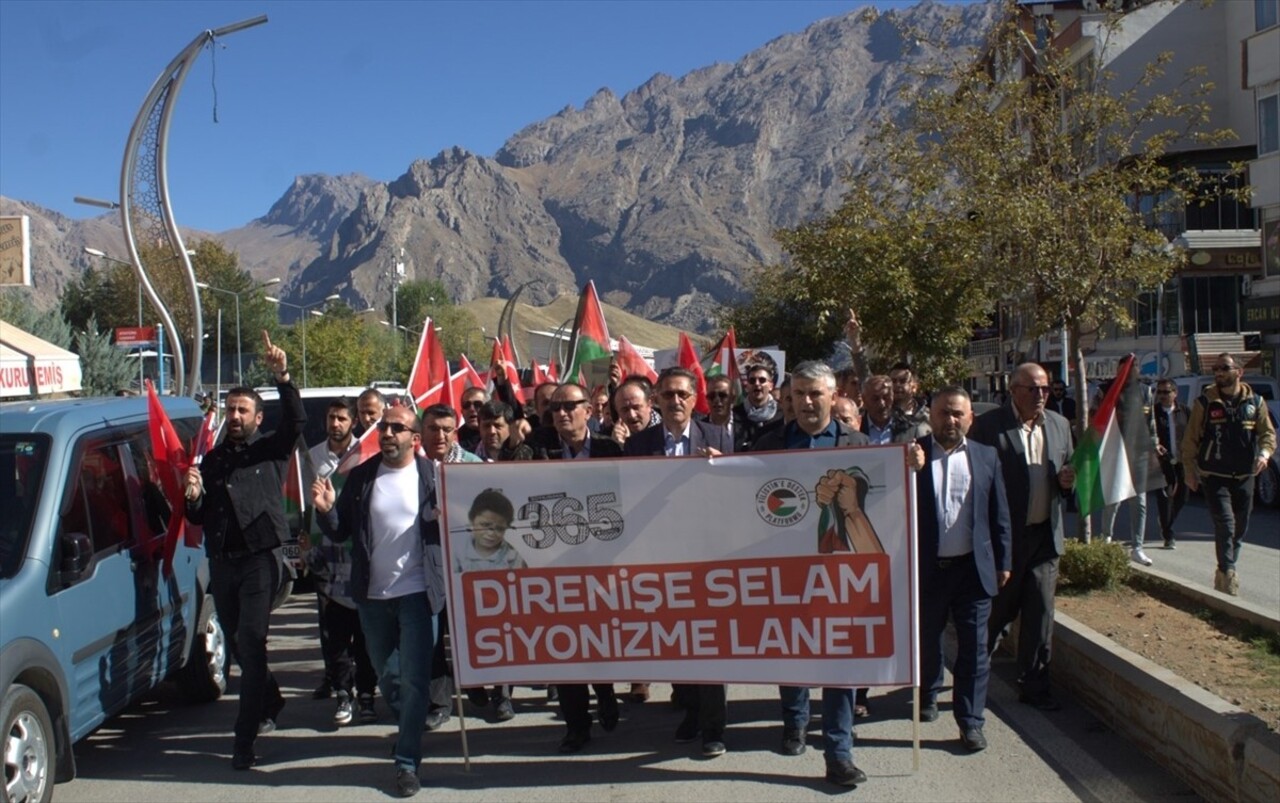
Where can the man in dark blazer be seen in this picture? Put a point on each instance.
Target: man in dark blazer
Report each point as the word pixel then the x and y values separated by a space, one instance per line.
pixel 569 409
pixel 965 558
pixel 682 435
pixel 1035 459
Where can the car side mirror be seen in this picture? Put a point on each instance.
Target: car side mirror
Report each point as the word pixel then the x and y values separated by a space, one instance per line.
pixel 77 554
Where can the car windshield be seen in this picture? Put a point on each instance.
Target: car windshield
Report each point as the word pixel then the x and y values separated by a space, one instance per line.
pixel 22 459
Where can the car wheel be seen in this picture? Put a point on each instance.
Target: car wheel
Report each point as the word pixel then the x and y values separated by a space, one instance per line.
pixel 204 678
pixel 1267 486
pixel 29 752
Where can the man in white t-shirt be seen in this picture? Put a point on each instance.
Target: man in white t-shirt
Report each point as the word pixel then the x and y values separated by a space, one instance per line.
pixel 387 509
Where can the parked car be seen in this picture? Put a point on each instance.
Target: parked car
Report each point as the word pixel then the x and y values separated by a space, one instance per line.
pixel 90 618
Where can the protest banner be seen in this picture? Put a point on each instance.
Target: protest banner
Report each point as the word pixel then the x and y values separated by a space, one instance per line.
pixel 788 567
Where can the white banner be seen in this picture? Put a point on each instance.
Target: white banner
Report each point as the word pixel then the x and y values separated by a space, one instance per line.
pixel 789 567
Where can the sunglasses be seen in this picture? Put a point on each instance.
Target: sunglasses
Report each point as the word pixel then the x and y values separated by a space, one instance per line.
pixel 720 395
pixel 565 406
pixel 1224 367
pixel 394 427
pixel 472 405
pixel 675 394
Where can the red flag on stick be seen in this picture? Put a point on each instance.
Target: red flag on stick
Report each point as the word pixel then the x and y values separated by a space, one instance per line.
pixel 430 370
pixel 170 457
pixel 366 446
pixel 475 379
pixel 540 376
pixel 687 357
pixel 501 364
pixel 631 363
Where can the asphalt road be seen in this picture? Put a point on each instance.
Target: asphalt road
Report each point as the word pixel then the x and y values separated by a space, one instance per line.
pixel 161 750
pixel 1194 558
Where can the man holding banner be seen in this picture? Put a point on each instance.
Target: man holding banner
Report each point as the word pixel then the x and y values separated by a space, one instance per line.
pixel 813 387
pixel 965 558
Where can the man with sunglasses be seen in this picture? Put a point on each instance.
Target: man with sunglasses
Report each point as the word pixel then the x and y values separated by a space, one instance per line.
pixel 469 433
pixel 759 411
pixel 721 396
pixel 1171 423
pixel 387 510
pixel 570 408
pixel 1035 460
pixel 682 435
pixel 1228 440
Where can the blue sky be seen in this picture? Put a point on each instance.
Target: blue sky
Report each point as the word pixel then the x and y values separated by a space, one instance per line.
pixel 329 87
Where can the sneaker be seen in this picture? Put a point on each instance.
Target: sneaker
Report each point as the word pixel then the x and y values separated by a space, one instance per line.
pixel 1138 556
pixel 437 718
pixel 1232 583
pixel 713 748
pixel 407 783
pixel 504 711
pixel 843 773
pixel 243 759
pixel 553 694
pixel 1219 580
pixel 266 726
pixel 1170 542
pixel 367 712
pixel 345 711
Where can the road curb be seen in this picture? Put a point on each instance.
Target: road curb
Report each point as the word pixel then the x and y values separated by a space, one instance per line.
pixel 1221 751
pixel 1223 603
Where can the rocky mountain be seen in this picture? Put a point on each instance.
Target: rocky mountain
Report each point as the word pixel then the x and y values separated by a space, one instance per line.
pixel 666 196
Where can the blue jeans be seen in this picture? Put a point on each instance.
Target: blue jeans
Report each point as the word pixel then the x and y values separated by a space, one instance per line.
pixel 401 635
pixel 1137 519
pixel 837 718
pixel 1230 502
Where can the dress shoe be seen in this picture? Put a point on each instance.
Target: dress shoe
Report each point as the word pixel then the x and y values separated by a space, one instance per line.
pixel 688 730
pixel 437 718
pixel 243 759
pixel 639 692
pixel 574 741
pixel 792 741
pixel 608 709
pixel 973 740
pixel 407 783
pixel 1041 702
pixel 842 773
pixel 929 711
pixel 368 712
pixel 712 748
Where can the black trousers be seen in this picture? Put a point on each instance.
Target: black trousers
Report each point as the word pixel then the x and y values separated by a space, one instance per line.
pixel 1171 498
pixel 575 703
pixel 1029 595
pixel 243 587
pixel 707 703
pixel 346 661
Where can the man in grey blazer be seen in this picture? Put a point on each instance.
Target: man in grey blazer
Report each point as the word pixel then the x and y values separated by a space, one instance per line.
pixel 1035 458
pixel 965 558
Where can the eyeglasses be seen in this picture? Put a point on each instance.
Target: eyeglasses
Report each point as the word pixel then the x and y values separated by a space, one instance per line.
pixel 565 406
pixel 675 394
pixel 757 380
pixel 720 396
pixel 1224 368
pixel 1043 390
pixel 440 429
pixel 394 427
pixel 472 405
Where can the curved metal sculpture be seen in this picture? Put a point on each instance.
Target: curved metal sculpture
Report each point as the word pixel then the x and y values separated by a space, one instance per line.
pixel 507 318
pixel 145 212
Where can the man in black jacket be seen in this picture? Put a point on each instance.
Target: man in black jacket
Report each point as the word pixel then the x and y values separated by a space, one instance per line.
pixel 573 441
pixel 236 495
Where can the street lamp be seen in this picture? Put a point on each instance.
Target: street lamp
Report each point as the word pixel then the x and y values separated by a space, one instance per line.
pixel 236 296
pixel 304 310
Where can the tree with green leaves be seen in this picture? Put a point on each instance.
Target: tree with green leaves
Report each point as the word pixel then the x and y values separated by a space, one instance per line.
pixel 104 368
pixel 419 298
pixel 1022 175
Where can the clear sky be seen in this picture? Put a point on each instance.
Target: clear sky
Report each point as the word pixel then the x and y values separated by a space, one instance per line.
pixel 329 87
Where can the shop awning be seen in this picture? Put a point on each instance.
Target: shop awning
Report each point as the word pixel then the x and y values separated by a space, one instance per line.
pixel 30 366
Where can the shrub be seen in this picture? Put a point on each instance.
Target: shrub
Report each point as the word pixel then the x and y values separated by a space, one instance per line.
pixel 1096 565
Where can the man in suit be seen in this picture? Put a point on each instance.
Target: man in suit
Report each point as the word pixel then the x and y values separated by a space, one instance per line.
pixel 569 409
pixel 813 387
pixel 681 435
pixel 1171 422
pixel 1035 460
pixel 965 558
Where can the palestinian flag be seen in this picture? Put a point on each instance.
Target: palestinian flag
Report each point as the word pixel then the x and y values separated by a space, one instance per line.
pixel 1103 460
pixel 722 359
pixel 632 364
pixel 590 339
pixel 366 446
pixel 687 357
pixel 295 488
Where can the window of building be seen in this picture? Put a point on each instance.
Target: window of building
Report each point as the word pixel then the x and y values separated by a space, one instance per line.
pixel 1268 124
pixel 1265 14
pixel 1210 303
pixel 1154 309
